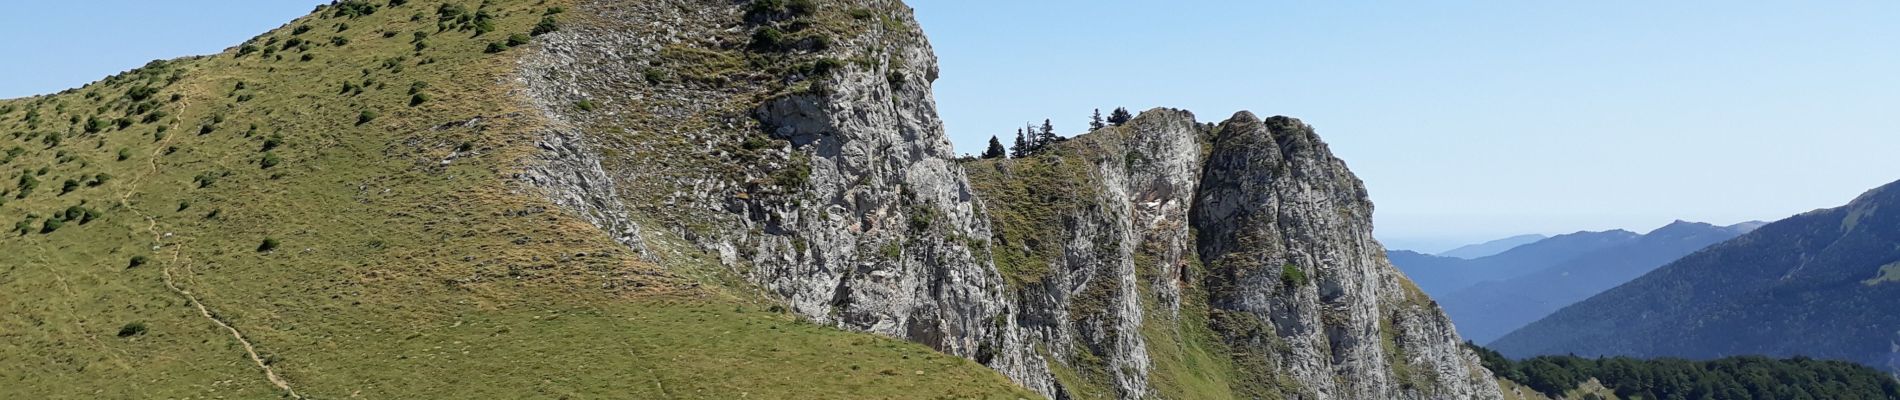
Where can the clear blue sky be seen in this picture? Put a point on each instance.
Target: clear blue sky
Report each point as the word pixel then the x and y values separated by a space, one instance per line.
pixel 1467 121
pixel 1475 120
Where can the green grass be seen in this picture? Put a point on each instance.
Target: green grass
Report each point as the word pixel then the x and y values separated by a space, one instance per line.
pixel 1888 273
pixel 1031 197
pixel 398 271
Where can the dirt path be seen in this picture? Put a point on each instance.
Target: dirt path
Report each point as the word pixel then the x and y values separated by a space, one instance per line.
pixel 151 226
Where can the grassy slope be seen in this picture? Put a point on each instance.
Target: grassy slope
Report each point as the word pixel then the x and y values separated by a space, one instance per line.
pixel 1516 391
pixel 407 264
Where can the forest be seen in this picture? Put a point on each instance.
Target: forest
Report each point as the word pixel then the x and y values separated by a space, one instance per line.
pixel 1742 377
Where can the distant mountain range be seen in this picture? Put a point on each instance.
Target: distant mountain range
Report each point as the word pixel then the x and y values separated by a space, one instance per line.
pixel 1442 276
pixel 1488 310
pixel 1824 284
pixel 1480 250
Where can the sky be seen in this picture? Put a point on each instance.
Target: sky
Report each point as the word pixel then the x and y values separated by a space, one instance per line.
pixel 1468 120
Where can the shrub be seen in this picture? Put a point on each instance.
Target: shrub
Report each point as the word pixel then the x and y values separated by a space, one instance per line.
pixel 517 39
pixel 586 105
pixel 366 116
pixel 26 185
pixel 141 93
pixel 299 30
pixel 494 48
pixel 268 245
pixel 50 225
pixel 339 41
pixel 768 39
pixel 269 160
pixel 132 329
pixel 418 98
pixel 99 179
pixel 825 67
pixel 307 57
pixel 25 225
pixel 205 180
pixel 547 25
pixel 353 8
pixel 137 261
pixel 68 186
pixel 1292 276
pixel 94 124
pixel 125 153
pixel 801 7
pixel 896 79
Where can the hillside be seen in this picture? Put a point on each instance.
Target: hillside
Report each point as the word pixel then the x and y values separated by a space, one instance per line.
pixel 331 210
pixel 1486 249
pixel 1818 284
pixel 1488 310
pixel 670 199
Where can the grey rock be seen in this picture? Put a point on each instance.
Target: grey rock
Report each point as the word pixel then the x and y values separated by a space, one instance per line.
pixel 856 215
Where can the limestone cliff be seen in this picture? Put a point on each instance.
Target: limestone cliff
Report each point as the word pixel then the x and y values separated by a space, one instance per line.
pixel 794 146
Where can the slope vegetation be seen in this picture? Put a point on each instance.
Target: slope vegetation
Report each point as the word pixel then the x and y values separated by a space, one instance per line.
pixel 330 210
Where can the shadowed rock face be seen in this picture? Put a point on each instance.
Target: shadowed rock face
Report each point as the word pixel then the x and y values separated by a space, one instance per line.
pixel 838 195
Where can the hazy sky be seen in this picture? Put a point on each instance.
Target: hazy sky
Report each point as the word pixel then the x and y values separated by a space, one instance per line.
pixel 1467 121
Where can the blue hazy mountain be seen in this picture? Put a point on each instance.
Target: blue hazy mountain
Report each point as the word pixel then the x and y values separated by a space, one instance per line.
pixel 1441 276
pixel 1824 284
pixel 1486 249
pixel 1488 310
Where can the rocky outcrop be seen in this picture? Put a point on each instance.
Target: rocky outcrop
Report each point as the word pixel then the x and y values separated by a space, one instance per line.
pixel 1286 234
pixel 1126 263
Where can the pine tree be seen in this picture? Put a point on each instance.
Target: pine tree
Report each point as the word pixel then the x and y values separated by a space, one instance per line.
pixel 1119 116
pixel 1021 149
pixel 1095 121
pixel 1047 136
pixel 1034 140
pixel 995 150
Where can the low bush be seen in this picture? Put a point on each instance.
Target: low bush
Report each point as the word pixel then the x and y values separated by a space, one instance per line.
pixel 132 329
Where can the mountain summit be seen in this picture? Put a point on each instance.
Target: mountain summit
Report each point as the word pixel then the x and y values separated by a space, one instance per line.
pixel 670 199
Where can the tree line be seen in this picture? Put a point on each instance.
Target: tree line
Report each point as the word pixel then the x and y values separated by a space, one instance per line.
pixel 1032 139
pixel 1743 377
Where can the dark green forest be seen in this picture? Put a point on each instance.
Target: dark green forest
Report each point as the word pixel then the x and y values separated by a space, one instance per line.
pixel 1745 377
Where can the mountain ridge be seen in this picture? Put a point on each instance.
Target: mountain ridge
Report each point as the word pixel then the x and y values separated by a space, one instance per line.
pixel 1491 309
pixel 672 198
pixel 1805 285
pixel 1492 247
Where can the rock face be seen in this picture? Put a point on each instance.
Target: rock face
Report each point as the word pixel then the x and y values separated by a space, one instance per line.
pixel 813 167
pixel 1286 236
